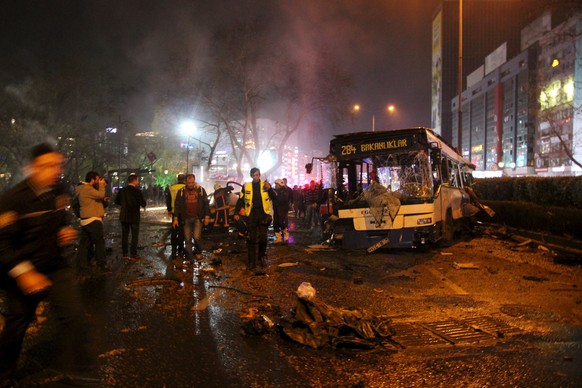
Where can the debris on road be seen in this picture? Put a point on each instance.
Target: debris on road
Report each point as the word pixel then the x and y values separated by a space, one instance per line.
pixel 317 324
pixel 535 278
pixel 283 265
pixel 256 321
pixel 524 243
pixel 151 282
pixel 318 248
pixel 464 265
pixel 378 245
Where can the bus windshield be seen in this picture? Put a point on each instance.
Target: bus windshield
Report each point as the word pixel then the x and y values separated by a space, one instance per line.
pixel 407 173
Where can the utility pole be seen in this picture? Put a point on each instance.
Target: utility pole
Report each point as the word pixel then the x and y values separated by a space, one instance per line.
pixel 460 80
pixel 119 151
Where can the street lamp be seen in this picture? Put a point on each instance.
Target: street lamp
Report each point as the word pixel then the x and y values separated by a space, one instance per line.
pixel 390 109
pixel 188 128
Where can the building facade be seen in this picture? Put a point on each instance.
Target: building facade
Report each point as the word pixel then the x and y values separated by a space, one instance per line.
pixel 487 24
pixel 520 117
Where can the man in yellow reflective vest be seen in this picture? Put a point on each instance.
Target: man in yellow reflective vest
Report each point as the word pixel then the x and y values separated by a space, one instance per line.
pixel 256 197
pixel 177 234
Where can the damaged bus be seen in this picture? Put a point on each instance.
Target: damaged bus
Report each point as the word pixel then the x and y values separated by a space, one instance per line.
pixel 398 188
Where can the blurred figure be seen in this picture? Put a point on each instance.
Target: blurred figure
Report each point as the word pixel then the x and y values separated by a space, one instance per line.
pixel 289 194
pixel 130 198
pixel 312 198
pixel 256 198
pixel 281 211
pixel 177 236
pixel 92 200
pixel 34 227
pixel 298 202
pixel 222 208
pixel 192 209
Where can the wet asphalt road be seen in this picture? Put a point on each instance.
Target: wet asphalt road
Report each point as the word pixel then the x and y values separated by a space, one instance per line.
pixel 157 323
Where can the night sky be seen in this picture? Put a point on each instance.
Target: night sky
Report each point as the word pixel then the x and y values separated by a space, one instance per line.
pixel 384 44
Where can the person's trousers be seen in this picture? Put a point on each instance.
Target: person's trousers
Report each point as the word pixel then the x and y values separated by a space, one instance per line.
pixel 73 346
pixel 192 230
pixel 312 215
pixel 92 241
pixel 257 237
pixel 126 228
pixel 280 220
pixel 177 238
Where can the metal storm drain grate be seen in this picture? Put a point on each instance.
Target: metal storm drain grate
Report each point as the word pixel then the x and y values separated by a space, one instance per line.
pixel 474 330
pixel 457 332
pixel 492 326
pixel 411 334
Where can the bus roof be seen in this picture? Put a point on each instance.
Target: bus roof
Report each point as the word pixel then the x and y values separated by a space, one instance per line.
pixel 365 144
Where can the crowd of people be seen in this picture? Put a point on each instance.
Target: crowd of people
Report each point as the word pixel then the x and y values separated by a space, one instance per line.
pixel 36 225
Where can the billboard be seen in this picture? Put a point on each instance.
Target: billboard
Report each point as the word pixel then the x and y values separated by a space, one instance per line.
pixel 437 73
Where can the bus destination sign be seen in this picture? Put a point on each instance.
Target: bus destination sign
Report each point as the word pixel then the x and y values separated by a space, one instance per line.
pixel 375 146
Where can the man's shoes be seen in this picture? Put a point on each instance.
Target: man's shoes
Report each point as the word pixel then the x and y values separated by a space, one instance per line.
pixel 263 261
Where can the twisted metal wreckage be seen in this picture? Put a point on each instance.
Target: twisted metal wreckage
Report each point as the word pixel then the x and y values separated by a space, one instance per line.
pixel 316 324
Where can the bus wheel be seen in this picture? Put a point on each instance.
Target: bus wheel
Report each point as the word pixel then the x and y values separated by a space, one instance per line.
pixel 448 231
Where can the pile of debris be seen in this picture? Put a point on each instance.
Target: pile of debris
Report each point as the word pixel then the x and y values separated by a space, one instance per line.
pixel 318 324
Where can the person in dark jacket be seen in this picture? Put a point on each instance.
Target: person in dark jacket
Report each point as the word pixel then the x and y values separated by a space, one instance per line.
pixel 34 229
pixel 130 198
pixel 191 209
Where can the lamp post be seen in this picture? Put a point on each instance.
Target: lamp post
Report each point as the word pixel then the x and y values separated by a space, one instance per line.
pixel 390 109
pixel 460 82
pixel 188 155
pixel 189 128
pixel 119 130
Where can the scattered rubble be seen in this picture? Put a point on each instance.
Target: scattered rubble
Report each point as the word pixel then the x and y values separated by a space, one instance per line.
pixel 283 265
pixel 535 278
pixel 464 265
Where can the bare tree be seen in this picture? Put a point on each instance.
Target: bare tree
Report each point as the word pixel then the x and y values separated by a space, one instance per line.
pixel 556 92
pixel 252 77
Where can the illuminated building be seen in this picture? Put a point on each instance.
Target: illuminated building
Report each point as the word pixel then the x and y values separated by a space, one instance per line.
pixel 519 116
